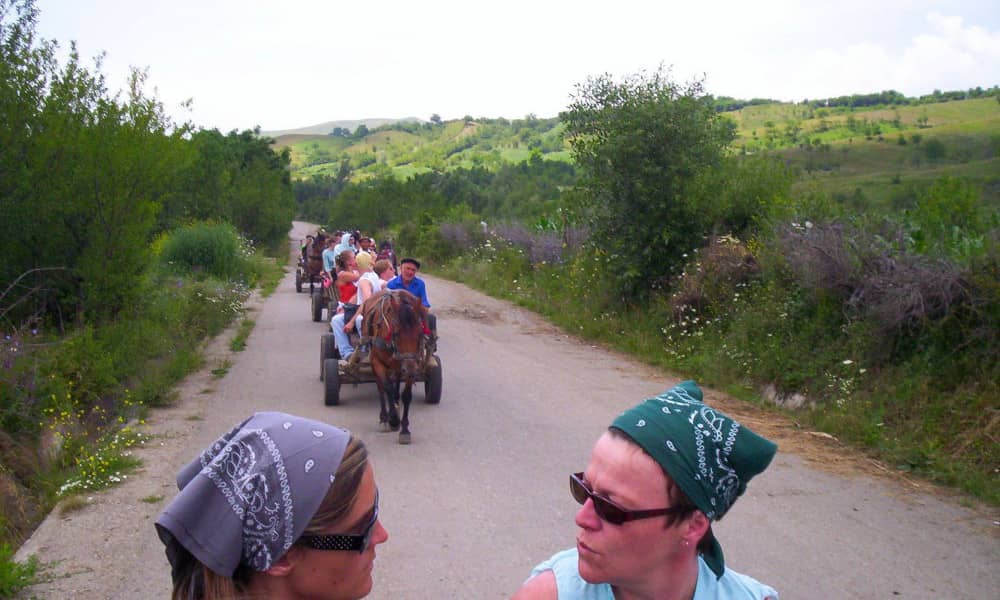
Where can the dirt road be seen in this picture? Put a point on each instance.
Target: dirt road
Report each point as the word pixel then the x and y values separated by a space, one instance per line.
pixel 481 494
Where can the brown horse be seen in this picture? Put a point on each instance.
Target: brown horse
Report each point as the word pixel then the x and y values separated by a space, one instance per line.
pixel 396 322
pixel 314 259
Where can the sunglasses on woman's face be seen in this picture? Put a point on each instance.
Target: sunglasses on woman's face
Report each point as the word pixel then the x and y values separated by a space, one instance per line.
pixel 607 510
pixel 352 543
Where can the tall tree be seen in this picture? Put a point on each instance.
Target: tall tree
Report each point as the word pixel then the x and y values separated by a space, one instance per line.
pixel 643 143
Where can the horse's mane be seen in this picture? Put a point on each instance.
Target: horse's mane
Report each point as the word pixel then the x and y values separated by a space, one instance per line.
pixel 408 312
pixel 409 319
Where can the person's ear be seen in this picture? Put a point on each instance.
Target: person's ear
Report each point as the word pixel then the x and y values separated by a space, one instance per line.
pixel 697 525
pixel 284 566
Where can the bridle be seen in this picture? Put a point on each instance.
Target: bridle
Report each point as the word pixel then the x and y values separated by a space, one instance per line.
pixel 389 342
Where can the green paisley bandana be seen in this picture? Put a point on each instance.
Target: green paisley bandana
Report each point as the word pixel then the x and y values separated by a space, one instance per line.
pixel 710 456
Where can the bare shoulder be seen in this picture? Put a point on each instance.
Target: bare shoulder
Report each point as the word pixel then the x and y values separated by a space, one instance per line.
pixel 539 587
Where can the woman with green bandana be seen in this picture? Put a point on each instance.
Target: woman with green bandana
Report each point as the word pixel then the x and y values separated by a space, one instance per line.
pixel 656 480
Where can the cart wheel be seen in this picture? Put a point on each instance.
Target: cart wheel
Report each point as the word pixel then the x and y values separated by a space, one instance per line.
pixel 331 380
pixel 327 349
pixel 433 383
pixel 298 281
pixel 317 306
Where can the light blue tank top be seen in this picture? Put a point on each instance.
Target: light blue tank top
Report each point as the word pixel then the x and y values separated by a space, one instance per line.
pixel 731 586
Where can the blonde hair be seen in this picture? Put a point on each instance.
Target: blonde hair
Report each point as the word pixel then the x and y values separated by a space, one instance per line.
pixel 364 260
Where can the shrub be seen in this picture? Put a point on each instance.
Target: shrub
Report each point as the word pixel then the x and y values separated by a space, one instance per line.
pixel 873 278
pixel 934 149
pixel 711 278
pixel 14 576
pixel 211 248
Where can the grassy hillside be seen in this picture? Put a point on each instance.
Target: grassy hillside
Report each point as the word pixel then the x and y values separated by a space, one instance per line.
pixel 883 155
pixel 409 148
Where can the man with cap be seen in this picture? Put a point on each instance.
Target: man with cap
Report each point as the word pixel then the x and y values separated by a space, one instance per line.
pixel 658 477
pixel 408 280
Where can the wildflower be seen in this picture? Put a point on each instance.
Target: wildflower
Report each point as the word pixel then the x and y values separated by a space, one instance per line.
pixel 847 362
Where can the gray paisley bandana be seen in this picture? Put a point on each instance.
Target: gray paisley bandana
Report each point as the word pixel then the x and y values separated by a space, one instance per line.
pixel 710 456
pixel 250 495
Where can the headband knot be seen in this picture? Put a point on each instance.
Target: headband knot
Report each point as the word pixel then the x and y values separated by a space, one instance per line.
pixel 251 494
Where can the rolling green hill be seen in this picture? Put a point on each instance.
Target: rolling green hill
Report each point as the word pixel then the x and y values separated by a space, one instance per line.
pixel 408 147
pixel 883 154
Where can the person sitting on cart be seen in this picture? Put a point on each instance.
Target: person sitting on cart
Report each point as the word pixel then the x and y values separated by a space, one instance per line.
pixel 373 278
pixel 329 257
pixel 408 280
pixel 345 279
pixel 303 246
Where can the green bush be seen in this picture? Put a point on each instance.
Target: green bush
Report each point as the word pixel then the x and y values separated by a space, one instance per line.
pixel 214 249
pixel 14 576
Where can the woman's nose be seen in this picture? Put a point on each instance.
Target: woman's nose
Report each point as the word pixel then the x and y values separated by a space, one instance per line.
pixel 586 517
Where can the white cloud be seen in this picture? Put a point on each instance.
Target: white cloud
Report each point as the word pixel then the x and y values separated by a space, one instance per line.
pixel 951 55
pixel 299 62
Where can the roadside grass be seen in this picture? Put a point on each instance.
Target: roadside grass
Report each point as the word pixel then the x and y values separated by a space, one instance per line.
pixel 108 464
pixel 220 371
pixel 271 272
pixel 69 399
pixel 894 414
pixel 239 341
pixel 15 576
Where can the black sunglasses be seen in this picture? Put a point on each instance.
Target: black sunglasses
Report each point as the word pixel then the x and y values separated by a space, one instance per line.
pixel 609 511
pixel 339 541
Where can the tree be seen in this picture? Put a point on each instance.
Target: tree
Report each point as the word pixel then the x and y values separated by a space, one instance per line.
pixel 643 144
pixel 436 119
pixel 935 149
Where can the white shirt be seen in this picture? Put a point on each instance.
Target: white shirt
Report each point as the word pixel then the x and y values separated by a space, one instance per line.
pixel 372 278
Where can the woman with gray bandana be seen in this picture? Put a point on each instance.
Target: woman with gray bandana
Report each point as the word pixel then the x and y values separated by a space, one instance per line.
pixel 656 480
pixel 280 507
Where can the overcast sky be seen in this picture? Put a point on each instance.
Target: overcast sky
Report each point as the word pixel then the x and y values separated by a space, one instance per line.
pixel 294 63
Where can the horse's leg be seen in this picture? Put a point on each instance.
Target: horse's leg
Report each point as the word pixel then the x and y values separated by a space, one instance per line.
pixel 404 433
pixel 380 381
pixel 394 403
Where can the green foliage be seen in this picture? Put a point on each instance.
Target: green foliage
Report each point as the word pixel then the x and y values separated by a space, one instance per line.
pixel 239 341
pixel 949 220
pixel 214 249
pixel 235 178
pixel 644 144
pixel 870 376
pixel 107 464
pixel 934 149
pixel 15 576
pixel 90 176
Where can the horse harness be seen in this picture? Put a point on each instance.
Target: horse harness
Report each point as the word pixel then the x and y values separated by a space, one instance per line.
pixel 388 343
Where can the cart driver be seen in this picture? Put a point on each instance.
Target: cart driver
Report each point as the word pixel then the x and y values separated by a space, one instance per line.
pixel 408 280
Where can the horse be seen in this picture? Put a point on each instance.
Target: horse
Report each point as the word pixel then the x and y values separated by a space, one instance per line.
pixel 314 259
pixel 396 323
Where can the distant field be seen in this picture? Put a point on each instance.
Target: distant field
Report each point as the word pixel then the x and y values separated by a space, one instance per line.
pixel 889 167
pixel 752 121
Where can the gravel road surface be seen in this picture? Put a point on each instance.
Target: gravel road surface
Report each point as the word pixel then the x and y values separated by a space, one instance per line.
pixel 481 495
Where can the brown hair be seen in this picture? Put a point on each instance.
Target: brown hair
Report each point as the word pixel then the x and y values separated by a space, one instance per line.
pixel 381 266
pixel 677 497
pixel 198 582
pixel 343 257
